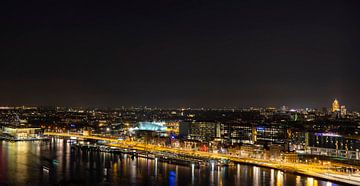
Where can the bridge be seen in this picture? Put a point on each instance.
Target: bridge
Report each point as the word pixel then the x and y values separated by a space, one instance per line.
pixel 77 135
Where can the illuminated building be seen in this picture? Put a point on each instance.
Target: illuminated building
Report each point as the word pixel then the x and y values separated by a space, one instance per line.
pixel 290 157
pixel 87 132
pixel 172 127
pixel 151 126
pixel 20 133
pixel 343 110
pixel 149 130
pixel 236 132
pixel 200 130
pixel 335 106
pixel 271 133
pixel 19 129
pixel 332 144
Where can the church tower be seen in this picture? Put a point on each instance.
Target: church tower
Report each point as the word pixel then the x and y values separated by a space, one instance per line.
pixel 335 106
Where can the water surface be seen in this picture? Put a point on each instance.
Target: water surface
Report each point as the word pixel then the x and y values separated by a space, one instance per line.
pixel 55 163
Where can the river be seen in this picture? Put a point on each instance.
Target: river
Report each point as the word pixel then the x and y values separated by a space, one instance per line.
pixel 55 163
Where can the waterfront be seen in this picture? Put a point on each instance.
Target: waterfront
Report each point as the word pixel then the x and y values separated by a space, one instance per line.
pixel 54 162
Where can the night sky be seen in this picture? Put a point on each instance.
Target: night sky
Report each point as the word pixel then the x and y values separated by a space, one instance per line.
pixel 174 53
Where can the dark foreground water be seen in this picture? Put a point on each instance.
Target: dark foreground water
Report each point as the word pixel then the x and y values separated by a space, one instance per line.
pixel 54 163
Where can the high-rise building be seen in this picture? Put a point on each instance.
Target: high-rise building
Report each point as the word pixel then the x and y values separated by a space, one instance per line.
pixel 335 106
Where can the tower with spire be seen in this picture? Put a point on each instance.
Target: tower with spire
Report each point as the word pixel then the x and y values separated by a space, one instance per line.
pixel 335 106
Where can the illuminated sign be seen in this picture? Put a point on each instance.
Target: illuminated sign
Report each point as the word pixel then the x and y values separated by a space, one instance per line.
pixel 327 134
pixel 262 129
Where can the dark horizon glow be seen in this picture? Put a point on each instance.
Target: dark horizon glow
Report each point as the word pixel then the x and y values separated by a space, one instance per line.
pixel 180 54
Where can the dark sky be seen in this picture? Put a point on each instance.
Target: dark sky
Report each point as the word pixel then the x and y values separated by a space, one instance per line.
pixel 173 53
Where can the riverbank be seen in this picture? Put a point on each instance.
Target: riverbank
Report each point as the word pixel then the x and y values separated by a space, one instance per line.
pixel 12 139
pixel 222 160
pixel 286 167
pixel 162 157
pixel 56 163
pixel 297 168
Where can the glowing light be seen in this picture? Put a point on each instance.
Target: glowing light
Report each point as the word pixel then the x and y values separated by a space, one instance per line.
pixel 260 129
pixel 327 134
pixel 335 105
pixel 280 178
pixel 310 181
pixel 192 172
pixel 151 126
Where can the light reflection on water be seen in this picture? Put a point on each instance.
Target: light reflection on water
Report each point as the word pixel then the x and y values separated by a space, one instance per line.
pixel 44 163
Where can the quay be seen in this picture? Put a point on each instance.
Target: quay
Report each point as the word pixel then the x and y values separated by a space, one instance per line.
pixel 297 168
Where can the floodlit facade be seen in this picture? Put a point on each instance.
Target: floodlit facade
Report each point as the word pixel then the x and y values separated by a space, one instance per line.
pixel 151 126
pixel 335 106
pixel 23 133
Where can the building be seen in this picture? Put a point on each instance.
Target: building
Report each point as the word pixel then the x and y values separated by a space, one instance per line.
pixel 202 131
pixel 22 133
pixel 19 129
pixel 343 110
pixel 290 157
pixel 172 126
pixel 236 133
pixel 151 126
pixel 184 129
pixel 274 133
pixel 335 106
pixel 275 151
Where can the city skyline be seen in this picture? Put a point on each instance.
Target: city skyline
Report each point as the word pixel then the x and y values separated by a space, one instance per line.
pixel 333 107
pixel 179 92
